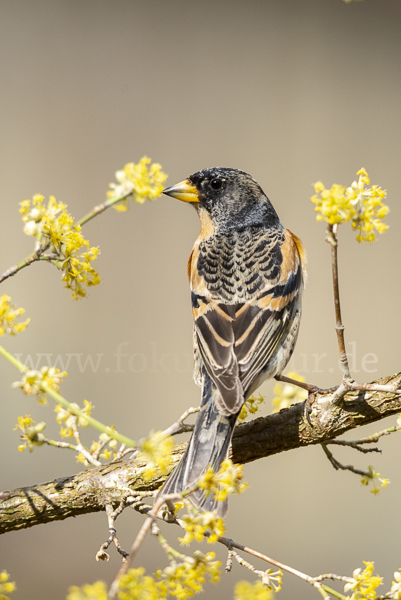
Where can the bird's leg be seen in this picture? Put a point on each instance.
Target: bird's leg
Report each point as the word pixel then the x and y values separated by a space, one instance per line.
pixel 311 389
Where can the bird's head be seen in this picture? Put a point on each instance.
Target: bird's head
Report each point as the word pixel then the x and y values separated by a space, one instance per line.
pixel 231 198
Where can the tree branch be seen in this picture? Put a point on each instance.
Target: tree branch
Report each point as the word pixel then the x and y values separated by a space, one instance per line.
pixel 109 485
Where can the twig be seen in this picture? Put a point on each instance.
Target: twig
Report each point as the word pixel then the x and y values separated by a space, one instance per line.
pixel 230 544
pixel 331 237
pixel 92 460
pixel 57 444
pixel 111 517
pixel 229 561
pixel 370 439
pixel 354 445
pixel 31 258
pixel 179 426
pixel 138 543
pixel 337 465
pixel 97 210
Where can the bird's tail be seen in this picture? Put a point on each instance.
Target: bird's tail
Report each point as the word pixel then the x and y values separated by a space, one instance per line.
pixel 208 446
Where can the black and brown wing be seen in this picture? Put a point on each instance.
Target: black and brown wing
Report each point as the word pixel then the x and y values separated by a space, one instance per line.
pixel 242 342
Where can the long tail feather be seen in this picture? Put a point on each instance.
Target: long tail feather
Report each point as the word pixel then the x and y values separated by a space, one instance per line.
pixel 208 446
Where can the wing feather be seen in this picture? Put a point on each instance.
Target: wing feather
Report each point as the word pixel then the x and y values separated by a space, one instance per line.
pixel 236 341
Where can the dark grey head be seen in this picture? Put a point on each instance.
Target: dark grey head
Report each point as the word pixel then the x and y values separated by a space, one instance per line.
pixel 232 198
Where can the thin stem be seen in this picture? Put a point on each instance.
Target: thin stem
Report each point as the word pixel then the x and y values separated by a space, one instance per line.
pixel 334 593
pixel 370 439
pixel 97 210
pixel 337 465
pixel 33 257
pixel 231 544
pixel 179 426
pixel 354 446
pixel 61 400
pixel 331 237
pixel 135 546
pixel 59 444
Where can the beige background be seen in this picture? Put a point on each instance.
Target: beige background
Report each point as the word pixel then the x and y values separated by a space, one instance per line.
pixel 291 91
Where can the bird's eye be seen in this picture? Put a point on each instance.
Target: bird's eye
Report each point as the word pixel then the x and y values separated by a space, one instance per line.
pixel 216 183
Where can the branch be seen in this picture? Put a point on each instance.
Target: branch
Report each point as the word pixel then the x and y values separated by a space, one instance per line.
pixel 95 488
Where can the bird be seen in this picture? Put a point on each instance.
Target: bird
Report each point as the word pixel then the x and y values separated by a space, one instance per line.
pixel 246 274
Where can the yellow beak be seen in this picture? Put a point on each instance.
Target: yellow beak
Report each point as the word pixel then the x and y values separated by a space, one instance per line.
pixel 184 191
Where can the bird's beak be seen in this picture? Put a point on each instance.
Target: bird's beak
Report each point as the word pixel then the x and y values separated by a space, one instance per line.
pixel 184 191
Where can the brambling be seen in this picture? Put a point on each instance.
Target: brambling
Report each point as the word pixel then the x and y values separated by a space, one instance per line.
pixel 246 273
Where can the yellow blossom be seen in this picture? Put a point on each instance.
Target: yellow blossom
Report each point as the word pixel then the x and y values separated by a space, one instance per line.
pixel 8 314
pixel 6 586
pixel 157 452
pixel 250 407
pixel 287 394
pixel 374 478
pixel 227 480
pixel 94 591
pixel 196 526
pixel 244 590
pixel 363 583
pixel 33 212
pixel 98 448
pixel 70 420
pixel 141 181
pixel 184 579
pixel 272 579
pixel 357 203
pixel 135 585
pixel 31 433
pixel 178 506
pixel 66 243
pixel 63 241
pixel 32 382
pixel 81 459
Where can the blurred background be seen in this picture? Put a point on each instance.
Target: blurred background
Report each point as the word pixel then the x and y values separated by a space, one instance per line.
pixel 292 91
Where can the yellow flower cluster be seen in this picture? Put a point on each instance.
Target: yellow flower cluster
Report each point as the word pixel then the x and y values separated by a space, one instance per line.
pixel 287 394
pixel 67 241
pixel 53 224
pixel 227 480
pixel 196 525
pixel 99 449
pixel 135 584
pixel 184 579
pixel 94 591
pixel 244 590
pixel 6 586
pixel 363 584
pixel 8 314
pixel 156 451
pixel 33 211
pixel 374 478
pixel 141 181
pixel 70 420
pixel 32 382
pixel 179 579
pixel 250 407
pixel 31 433
pixel 357 203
